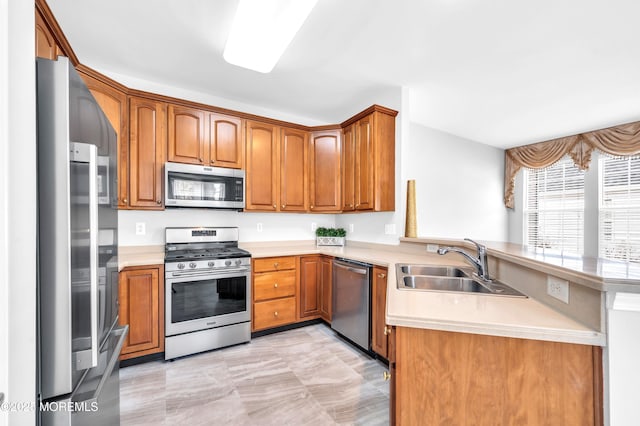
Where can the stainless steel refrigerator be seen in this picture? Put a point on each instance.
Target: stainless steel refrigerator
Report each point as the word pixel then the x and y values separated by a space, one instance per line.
pixel 79 339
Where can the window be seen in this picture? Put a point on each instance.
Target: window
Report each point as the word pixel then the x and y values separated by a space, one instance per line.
pixel 619 212
pixel 554 207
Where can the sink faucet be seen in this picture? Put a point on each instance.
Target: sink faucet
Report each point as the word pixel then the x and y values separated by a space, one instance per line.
pixel 480 262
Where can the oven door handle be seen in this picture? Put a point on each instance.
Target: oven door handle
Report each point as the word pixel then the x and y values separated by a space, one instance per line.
pixel 226 273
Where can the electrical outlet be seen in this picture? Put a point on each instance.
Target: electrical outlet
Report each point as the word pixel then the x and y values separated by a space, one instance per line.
pixel 314 226
pixel 390 229
pixel 558 288
pixel 259 227
pixel 141 228
pixel 351 227
pixel 432 248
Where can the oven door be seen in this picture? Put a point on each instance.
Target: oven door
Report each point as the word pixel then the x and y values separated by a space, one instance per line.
pixel 208 300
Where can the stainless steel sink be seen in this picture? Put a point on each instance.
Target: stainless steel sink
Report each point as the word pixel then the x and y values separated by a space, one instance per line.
pixel 423 282
pixel 447 278
pixel 440 271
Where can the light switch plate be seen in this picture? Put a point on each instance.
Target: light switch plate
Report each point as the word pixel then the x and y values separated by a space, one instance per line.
pixel 390 229
pixel 558 288
pixel 259 227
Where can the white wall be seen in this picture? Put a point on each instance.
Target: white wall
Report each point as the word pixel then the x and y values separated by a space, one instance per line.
pixel 17 208
pixel 621 362
pixel 459 185
pixel 275 226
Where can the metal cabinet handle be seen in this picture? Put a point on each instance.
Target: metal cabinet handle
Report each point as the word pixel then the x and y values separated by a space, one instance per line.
pixel 158 201
pixel 284 205
pixel 275 314
pixel 387 330
pixel 124 200
pixel 386 375
pixel 275 285
pixel 382 275
pixel 275 265
pixel 312 206
pixel 274 206
pixel 201 159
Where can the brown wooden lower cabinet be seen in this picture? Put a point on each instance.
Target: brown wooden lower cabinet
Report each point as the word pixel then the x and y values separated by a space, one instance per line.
pixel 452 378
pixel 310 286
pixel 141 295
pixel 326 276
pixel 379 342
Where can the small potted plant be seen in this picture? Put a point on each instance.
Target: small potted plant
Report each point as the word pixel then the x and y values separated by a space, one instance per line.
pixel 330 236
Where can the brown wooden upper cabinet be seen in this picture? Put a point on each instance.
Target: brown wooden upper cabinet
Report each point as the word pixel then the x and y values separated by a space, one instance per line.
pixel 226 141
pixel 199 137
pixel 368 162
pixel 324 171
pixel 293 170
pixel 46 45
pixel 113 102
pixel 276 178
pixel 261 183
pixel 147 142
pixel 186 135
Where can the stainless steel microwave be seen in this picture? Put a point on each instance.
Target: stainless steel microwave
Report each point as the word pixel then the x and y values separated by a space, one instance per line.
pixel 188 185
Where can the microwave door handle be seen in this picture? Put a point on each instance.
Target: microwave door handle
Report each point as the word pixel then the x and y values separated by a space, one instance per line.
pixel 88 153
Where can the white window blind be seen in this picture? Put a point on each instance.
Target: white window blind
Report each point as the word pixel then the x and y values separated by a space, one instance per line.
pixel 619 227
pixel 554 207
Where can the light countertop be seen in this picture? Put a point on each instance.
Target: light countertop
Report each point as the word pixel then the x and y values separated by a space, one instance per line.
pixel 449 311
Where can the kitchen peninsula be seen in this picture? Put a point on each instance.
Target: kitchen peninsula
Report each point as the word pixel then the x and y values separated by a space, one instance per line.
pixel 541 332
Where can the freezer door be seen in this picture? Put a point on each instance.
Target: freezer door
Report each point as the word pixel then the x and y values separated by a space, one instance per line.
pixel 96 401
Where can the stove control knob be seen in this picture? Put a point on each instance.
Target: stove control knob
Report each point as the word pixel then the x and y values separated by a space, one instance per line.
pixel 192 265
pixel 227 263
pixel 238 262
pixel 211 264
pixel 180 265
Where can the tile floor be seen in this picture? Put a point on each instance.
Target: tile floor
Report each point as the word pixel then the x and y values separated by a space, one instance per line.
pixel 306 376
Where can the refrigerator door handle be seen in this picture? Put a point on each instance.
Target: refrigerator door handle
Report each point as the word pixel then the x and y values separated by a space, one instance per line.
pixel 87 153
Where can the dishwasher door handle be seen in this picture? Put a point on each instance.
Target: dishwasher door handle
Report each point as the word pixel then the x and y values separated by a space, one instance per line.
pixel 350 268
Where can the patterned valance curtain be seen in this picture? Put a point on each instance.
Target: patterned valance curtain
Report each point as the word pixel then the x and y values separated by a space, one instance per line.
pixel 618 141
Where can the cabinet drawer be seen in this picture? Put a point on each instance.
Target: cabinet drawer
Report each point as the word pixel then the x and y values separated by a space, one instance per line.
pixel 274 264
pixel 274 313
pixel 271 285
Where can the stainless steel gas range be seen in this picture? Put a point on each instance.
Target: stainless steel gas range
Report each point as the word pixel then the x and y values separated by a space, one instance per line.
pixel 208 290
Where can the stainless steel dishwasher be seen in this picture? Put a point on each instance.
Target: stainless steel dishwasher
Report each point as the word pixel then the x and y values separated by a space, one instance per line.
pixel 351 301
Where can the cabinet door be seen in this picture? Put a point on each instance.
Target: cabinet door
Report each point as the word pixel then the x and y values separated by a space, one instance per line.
pixel 348 167
pixel 517 381
pixel 186 138
pixel 364 164
pixel 310 286
pixel 226 144
pixel 142 307
pixel 324 171
pixel 326 269
pixel 147 141
pixel 262 167
pixel 379 341
pixel 114 105
pixel 46 46
pixel 293 170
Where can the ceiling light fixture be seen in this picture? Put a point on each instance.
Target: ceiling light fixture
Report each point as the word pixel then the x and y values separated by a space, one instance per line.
pixel 262 30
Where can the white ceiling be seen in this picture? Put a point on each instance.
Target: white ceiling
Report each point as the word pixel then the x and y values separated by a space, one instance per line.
pixel 499 72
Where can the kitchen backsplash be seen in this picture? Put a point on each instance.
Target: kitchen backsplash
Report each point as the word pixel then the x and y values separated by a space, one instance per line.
pixel 274 226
